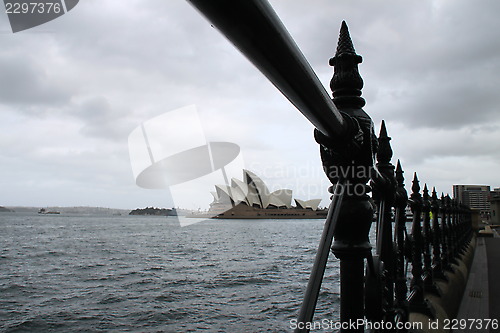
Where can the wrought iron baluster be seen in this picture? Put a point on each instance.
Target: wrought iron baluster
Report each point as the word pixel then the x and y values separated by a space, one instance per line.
pixel 456 226
pixel 383 262
pixel 445 256
pixel 429 285
pixel 400 291
pixel 351 244
pixel 437 265
pixel 451 232
pixel 416 297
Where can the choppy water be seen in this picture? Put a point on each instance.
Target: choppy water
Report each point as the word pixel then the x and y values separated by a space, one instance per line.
pixel 146 274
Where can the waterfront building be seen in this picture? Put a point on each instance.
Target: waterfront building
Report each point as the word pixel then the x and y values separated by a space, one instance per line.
pixel 495 206
pixel 251 198
pixel 473 196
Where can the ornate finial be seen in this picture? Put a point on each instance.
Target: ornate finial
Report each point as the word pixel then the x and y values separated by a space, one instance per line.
pixel 399 175
pixel 346 83
pixel 415 184
pixel 401 194
pixel 426 199
pixel 383 130
pixel 345 43
pixel 434 199
pixel 415 197
pixel 384 153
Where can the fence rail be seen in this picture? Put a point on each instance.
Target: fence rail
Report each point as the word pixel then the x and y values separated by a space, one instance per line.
pixel 358 162
pixel 412 274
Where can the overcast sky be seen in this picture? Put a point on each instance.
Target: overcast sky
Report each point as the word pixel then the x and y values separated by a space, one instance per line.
pixel 72 90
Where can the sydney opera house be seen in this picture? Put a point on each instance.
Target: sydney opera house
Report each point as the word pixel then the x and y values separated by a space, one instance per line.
pixel 251 198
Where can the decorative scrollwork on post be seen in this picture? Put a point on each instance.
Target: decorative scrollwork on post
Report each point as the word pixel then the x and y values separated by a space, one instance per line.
pixel 351 243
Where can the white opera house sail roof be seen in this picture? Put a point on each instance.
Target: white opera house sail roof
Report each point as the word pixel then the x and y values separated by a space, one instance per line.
pixel 253 192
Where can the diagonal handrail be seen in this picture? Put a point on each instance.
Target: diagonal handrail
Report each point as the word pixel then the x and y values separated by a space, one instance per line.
pixel 315 279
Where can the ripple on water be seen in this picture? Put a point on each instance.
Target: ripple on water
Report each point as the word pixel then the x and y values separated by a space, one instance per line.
pixel 139 274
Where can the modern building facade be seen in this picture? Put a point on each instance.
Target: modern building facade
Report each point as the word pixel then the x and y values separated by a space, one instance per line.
pixel 495 206
pixel 473 196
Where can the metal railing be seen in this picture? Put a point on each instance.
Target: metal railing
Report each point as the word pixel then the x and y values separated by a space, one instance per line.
pixel 358 163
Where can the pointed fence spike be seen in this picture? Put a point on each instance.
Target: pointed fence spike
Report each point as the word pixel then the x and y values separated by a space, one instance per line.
pixel 346 83
pixel 415 184
pixel 399 174
pixel 345 44
pixel 384 153
pixel 398 166
pixel 383 130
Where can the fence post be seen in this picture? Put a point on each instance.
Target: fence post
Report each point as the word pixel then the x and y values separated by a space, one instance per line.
pixel 384 191
pixel 451 233
pixel 437 265
pixel 401 200
pixel 416 298
pixel 429 285
pixel 351 244
pixel 445 257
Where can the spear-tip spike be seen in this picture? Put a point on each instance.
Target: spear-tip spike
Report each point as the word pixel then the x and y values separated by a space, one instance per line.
pixel 399 174
pixel 434 199
pixel 345 42
pixel 346 83
pixel 426 192
pixel 383 130
pixel 384 153
pixel 398 166
pixel 415 184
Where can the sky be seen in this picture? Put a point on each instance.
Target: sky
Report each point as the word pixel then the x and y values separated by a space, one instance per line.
pixel 73 90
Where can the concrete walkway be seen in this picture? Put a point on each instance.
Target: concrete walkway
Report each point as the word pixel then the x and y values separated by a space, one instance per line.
pixel 481 299
pixel 493 255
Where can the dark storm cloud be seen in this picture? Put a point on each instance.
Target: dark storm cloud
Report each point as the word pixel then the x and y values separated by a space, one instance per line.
pixel 430 68
pixel 101 120
pixel 441 71
pixel 426 64
pixel 25 81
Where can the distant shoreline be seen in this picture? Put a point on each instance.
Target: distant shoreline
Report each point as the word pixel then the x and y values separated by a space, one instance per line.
pixel 76 210
pixel 67 210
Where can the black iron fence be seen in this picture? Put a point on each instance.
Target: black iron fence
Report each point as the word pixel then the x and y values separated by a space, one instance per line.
pixel 412 271
pixel 413 274
pixel 410 275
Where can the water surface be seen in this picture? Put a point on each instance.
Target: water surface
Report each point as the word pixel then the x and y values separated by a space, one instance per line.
pixel 63 273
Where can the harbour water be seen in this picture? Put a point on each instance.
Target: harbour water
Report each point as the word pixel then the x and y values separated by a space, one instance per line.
pixel 64 273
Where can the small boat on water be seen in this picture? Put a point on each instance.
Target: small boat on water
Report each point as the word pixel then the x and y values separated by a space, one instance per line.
pixel 44 211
